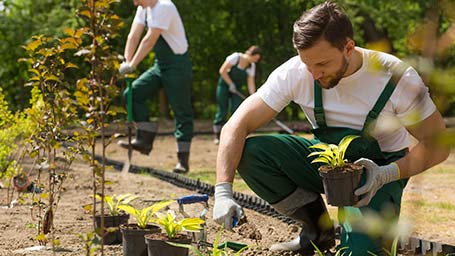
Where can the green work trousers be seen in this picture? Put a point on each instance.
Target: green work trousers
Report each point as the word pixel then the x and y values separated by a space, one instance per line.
pixel 176 79
pixel 274 166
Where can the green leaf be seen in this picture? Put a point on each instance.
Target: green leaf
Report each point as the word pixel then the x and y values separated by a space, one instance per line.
pixel 71 65
pixel 32 45
pixel 321 160
pixel 321 146
pixel 344 143
pixel 69 31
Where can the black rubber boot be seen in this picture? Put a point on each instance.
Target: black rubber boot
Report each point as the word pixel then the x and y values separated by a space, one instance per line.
pixel 142 143
pixel 318 215
pixel 216 140
pixel 217 133
pixel 317 227
pixel 183 164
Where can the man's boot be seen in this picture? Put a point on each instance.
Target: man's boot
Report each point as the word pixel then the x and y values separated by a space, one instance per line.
pixel 216 140
pixel 145 135
pixel 316 227
pixel 183 165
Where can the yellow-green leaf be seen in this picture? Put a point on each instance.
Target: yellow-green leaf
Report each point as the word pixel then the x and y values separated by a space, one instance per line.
pixel 69 31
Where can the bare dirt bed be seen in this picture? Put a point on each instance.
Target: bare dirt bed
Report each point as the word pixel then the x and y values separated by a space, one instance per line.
pixel 429 203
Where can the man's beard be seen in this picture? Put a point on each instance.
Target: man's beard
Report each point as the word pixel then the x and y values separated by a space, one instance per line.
pixel 338 75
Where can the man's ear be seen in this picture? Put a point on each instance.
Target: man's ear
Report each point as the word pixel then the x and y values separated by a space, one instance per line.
pixel 350 46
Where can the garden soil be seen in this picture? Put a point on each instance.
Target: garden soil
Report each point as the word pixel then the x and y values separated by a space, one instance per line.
pixel 428 204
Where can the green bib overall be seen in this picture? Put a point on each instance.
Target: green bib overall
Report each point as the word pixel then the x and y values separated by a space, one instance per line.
pixel 225 98
pixel 274 166
pixel 173 72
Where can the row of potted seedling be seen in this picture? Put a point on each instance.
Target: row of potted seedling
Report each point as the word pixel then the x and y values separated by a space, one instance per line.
pixel 150 230
pixel 145 237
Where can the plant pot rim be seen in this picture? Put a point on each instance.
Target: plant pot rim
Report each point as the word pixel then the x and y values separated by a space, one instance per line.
pixel 163 237
pixel 109 215
pixel 134 226
pixel 347 168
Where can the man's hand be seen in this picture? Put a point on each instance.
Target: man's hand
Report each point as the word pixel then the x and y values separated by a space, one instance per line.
pixel 377 176
pixel 225 208
pixel 125 68
pixel 233 88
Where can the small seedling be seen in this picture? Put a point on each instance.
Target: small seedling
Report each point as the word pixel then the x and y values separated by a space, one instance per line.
pixel 331 154
pixel 144 216
pixel 339 252
pixel 173 227
pixel 113 202
pixel 214 250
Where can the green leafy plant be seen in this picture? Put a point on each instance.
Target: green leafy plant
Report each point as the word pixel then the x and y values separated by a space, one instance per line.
pixel 339 252
pixel 96 90
pixel 145 216
pixel 52 111
pixel 91 242
pixel 214 250
pixel 393 250
pixel 173 227
pixel 113 202
pixel 331 154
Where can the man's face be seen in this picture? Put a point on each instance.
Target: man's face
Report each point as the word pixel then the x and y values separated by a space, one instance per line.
pixel 326 63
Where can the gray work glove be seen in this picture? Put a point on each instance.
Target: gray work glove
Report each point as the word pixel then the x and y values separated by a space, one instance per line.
pixel 225 207
pixel 125 68
pixel 233 88
pixel 377 176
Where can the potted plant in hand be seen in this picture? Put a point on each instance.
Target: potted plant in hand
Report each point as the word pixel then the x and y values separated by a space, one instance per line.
pixel 340 177
pixel 157 243
pixel 133 234
pixel 114 218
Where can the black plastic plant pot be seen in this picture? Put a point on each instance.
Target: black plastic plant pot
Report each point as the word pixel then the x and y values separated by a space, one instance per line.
pixel 157 246
pixel 133 239
pixel 339 185
pixel 110 223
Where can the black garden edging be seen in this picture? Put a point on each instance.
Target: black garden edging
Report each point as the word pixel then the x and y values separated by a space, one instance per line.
pixel 419 246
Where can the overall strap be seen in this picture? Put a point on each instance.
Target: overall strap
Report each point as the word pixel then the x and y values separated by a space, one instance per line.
pixel 318 108
pixel 397 71
pixel 380 103
pixel 238 62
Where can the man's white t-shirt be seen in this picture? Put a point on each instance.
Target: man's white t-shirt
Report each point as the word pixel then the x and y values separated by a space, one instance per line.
pixel 348 104
pixel 164 15
pixel 234 58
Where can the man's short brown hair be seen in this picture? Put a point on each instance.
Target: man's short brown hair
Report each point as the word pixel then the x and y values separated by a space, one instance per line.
pixel 327 21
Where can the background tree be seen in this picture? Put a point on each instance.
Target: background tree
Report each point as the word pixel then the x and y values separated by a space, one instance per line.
pixel 217 28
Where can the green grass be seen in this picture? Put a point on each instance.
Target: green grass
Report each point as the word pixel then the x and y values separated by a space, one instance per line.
pixel 443 170
pixel 445 206
pixel 209 176
pixel 205 175
pixel 436 205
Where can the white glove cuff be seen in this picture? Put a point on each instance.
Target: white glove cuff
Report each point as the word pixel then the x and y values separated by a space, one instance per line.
pixel 392 172
pixel 223 190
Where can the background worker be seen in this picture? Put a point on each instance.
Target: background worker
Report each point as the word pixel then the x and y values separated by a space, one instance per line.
pixel 343 90
pixel 238 69
pixel 171 71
